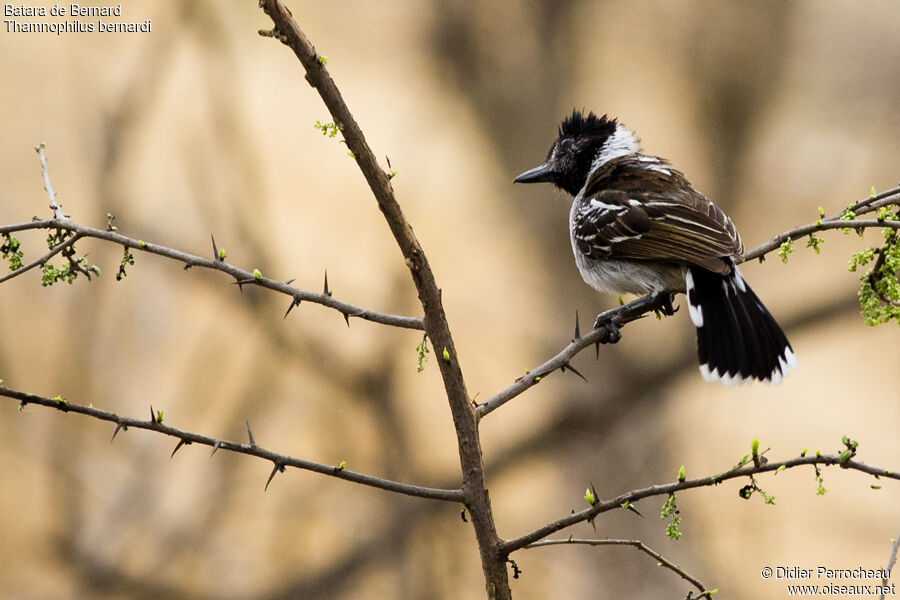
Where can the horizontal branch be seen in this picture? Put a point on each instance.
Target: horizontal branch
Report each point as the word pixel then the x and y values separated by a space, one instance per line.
pixel 663 561
pixel 280 461
pixel 638 308
pixel 803 230
pixel 242 276
pixel 670 488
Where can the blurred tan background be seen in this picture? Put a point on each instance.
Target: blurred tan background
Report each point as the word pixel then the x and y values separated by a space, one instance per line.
pixel 771 108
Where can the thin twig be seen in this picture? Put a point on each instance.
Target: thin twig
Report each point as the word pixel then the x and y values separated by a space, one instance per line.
pixel 42 260
pixel 799 232
pixel 243 276
pixel 250 449
pixel 45 171
pixel 669 488
pixel 619 316
pixel 892 560
pixel 663 562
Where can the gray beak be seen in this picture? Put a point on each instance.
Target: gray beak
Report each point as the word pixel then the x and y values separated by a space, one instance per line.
pixel 541 173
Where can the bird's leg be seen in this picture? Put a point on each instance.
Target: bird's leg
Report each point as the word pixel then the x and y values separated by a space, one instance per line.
pixel 613 334
pixel 667 308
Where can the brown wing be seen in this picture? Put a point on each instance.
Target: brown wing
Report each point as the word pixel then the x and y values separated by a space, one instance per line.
pixel 638 208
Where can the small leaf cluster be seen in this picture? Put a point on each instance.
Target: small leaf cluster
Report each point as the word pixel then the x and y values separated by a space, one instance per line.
pixel 127 259
pixel 670 511
pixel 879 291
pixel 786 249
pixel 67 273
pixel 328 129
pixel 12 252
pixel 50 274
pixel 422 352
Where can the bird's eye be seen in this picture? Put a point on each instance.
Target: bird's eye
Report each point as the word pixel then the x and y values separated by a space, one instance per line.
pixel 566 143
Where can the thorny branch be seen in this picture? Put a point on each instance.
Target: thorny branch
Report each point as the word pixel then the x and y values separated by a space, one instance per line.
pixel 241 276
pixel 638 308
pixel 287 31
pixel 629 498
pixel 280 461
pixel 663 561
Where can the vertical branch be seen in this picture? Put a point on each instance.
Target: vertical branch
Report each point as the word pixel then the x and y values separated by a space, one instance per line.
pixel 476 496
pixel 45 171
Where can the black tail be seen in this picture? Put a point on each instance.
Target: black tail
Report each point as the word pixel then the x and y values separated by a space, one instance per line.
pixel 737 338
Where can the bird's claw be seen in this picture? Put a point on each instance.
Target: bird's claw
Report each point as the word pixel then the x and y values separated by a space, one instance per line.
pixel 667 308
pixel 613 334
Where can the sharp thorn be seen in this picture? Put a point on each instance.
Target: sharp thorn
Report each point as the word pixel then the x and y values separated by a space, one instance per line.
pixel 181 442
pixel 326 291
pixel 275 469
pixel 215 250
pixel 347 318
pixel 577 328
pixel 597 348
pixel 119 426
pixel 215 448
pixel 152 418
pixel 290 281
pixel 568 366
pixel 294 302
pixel 250 434
pixel 635 511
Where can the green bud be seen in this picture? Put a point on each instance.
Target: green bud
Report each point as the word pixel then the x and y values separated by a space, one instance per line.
pixel 681 474
pixel 446 355
pixel 222 254
pixel 754 447
pixel 589 496
pixel 257 275
pixel 342 464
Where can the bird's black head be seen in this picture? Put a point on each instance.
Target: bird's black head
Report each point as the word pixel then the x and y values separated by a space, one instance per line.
pixel 574 151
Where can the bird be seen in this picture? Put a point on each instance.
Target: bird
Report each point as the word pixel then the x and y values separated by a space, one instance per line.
pixel 638 226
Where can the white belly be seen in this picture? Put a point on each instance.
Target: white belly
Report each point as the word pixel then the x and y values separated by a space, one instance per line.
pixel 630 277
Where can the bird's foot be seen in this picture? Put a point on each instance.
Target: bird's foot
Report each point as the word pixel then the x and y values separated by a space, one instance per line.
pixel 667 308
pixel 613 334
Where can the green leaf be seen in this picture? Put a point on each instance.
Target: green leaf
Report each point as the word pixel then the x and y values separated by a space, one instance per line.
pixel 670 511
pixel 446 355
pixel 589 496
pixel 786 248
pixel 422 352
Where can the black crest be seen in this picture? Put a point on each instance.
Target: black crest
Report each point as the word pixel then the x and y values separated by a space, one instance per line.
pixel 578 125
